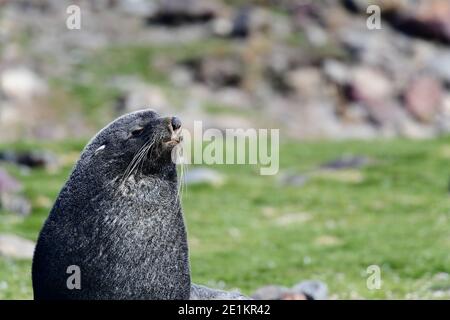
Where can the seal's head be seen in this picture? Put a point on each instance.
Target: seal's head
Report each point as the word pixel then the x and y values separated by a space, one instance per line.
pixel 136 143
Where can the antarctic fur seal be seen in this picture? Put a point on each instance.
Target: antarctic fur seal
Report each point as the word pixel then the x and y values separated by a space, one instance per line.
pixel 118 220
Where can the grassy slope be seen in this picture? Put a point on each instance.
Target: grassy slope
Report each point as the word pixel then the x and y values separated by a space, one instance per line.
pixel 395 213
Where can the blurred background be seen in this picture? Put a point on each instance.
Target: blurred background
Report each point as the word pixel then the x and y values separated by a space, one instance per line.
pixel 363 114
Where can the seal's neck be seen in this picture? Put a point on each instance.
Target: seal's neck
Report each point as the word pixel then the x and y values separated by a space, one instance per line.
pixel 152 188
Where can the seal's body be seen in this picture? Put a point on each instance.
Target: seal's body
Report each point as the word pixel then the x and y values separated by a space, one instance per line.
pixel 118 219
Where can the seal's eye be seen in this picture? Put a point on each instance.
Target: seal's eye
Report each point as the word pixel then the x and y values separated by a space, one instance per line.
pixel 137 131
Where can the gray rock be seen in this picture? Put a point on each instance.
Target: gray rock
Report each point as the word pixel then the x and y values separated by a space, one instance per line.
pixel 220 71
pixel 16 247
pixel 347 162
pixel 30 159
pixel 420 18
pixel 377 96
pixel 271 292
pixel 440 65
pixel 384 48
pixel 241 22
pixel 204 176
pixel 181 77
pixel 426 19
pixel 305 290
pixel 441 276
pixel 139 8
pixel 21 83
pixel 386 6
pixel 199 292
pixel 8 184
pixel 306 81
pixel 312 289
pixel 443 121
pixel 10 201
pixel 292 179
pixel 336 71
pixel 356 5
pixel 182 12
pixel 142 96
pixel 378 88
pixel 415 130
pixel 216 72
pixel 316 35
pixel 15 203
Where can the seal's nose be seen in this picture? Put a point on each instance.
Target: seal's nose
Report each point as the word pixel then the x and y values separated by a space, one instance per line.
pixel 176 123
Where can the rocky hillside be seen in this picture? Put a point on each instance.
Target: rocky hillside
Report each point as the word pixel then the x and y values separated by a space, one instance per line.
pixel 312 68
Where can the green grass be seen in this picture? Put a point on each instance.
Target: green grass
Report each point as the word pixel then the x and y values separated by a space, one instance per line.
pixel 252 231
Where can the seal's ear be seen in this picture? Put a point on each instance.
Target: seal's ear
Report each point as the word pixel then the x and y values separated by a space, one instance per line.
pixel 99 149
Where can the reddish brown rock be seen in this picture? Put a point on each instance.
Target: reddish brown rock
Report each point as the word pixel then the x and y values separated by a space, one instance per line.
pixel 423 97
pixel 294 296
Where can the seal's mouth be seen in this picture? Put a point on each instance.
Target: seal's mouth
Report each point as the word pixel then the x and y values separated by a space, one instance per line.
pixel 174 139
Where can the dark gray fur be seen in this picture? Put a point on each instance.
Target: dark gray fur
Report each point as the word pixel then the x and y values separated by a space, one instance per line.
pixel 129 238
pixel 127 235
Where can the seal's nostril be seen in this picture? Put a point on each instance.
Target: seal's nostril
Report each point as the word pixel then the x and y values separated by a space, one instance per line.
pixel 176 123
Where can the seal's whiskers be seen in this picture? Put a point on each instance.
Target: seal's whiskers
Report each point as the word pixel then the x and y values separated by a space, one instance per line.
pixel 140 154
pixel 182 186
